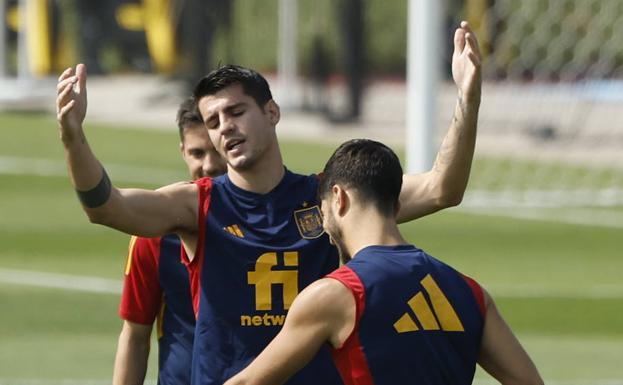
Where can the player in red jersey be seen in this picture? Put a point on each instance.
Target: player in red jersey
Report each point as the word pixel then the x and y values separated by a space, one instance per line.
pixel 393 314
pixel 156 283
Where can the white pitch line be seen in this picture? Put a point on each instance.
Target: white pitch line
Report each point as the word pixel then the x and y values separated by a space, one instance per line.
pixel 523 290
pixel 60 281
pixel 110 286
pixel 582 217
pixel 13 165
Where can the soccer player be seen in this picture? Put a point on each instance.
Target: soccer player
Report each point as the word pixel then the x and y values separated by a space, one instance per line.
pixel 156 282
pixel 392 314
pixel 254 236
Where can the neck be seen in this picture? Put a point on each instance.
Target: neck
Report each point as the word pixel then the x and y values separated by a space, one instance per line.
pixel 365 227
pixel 263 176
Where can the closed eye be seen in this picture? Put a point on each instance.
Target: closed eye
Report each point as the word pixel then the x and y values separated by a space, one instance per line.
pixel 195 153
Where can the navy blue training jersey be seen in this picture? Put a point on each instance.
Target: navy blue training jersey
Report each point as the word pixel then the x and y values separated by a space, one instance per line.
pixel 156 286
pixel 259 251
pixel 418 320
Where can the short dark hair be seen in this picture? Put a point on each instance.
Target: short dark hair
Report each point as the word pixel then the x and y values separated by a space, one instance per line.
pixel 251 81
pixel 187 116
pixel 371 168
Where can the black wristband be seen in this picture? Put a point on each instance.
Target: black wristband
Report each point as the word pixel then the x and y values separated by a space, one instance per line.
pixel 98 195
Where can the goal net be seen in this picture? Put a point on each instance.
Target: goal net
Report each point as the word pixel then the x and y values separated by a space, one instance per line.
pixel 551 124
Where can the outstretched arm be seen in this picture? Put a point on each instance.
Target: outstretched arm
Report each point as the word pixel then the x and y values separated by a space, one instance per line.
pixel 501 354
pixel 135 211
pixel 323 312
pixel 443 186
pixel 132 354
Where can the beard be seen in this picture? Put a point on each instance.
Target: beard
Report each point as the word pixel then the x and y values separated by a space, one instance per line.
pixel 336 238
pixel 341 250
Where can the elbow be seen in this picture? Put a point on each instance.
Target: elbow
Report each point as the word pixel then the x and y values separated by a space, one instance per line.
pixel 535 379
pixel 94 217
pixel 449 199
pixel 528 376
pixel 98 217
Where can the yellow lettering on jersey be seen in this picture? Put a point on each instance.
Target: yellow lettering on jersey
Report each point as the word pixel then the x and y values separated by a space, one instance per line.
pixel 423 312
pixel 262 320
pixel 128 263
pixel 264 277
pixel 445 312
pixel 291 258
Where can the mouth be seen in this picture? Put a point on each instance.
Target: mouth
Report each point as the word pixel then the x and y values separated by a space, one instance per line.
pixel 233 144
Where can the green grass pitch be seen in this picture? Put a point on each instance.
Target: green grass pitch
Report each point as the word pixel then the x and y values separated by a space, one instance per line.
pixel 560 286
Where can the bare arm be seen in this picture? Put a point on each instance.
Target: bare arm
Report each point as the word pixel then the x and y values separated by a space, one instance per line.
pixel 501 354
pixel 323 312
pixel 443 186
pixel 134 211
pixel 132 354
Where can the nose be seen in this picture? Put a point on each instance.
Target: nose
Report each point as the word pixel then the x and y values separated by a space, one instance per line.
pixel 227 124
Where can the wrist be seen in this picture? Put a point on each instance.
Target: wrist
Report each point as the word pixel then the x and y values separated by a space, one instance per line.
pixel 467 102
pixel 71 137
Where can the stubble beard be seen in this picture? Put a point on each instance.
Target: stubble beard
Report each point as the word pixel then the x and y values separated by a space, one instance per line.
pixel 335 235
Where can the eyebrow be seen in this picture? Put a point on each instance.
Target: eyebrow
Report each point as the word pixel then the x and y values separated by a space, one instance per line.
pixel 227 109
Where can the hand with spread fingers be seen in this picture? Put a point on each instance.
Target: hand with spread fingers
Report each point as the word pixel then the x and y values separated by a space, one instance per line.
pixel 71 101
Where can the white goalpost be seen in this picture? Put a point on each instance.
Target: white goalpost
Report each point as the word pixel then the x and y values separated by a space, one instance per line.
pixel 423 63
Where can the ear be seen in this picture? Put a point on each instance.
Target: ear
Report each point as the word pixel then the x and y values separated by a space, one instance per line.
pixel 182 148
pixel 341 200
pixel 272 110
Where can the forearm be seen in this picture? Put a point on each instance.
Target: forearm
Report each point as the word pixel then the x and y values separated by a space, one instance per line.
pixel 501 354
pixel 454 159
pixel 131 360
pixel 85 171
pixel 444 185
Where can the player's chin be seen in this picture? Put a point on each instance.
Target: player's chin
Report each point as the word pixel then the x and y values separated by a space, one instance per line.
pixel 240 162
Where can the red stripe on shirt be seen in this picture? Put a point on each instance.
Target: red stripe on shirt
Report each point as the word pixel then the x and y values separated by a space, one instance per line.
pixel 196 265
pixel 349 359
pixel 478 294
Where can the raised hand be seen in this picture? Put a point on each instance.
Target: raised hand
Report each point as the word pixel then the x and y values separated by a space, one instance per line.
pixel 71 101
pixel 466 64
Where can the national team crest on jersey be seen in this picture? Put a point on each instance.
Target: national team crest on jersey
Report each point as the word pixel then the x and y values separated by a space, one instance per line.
pixel 309 222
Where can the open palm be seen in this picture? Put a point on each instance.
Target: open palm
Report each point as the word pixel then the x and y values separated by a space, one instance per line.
pixel 466 62
pixel 71 101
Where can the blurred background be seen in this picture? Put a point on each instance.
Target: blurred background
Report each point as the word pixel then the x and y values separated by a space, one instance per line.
pixel 541 223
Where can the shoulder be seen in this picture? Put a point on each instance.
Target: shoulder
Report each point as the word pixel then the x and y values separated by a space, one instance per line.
pixel 310 180
pixel 329 305
pixel 180 189
pixel 325 297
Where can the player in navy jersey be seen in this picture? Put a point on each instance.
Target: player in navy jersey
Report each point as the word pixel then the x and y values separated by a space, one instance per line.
pixel 254 237
pixel 156 284
pixel 392 314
